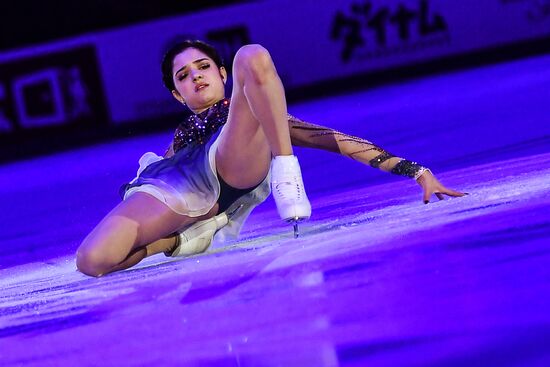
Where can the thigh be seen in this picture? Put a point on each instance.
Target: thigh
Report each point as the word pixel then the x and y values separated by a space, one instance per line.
pixel 135 222
pixel 150 218
pixel 243 155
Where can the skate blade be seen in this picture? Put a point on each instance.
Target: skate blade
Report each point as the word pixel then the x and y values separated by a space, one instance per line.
pixel 295 222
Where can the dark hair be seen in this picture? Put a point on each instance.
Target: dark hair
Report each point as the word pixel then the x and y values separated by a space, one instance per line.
pixel 179 47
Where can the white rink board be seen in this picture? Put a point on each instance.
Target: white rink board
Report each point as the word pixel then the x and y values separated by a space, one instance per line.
pixel 307 41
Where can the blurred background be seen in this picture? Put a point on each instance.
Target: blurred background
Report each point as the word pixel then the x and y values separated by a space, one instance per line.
pixel 73 73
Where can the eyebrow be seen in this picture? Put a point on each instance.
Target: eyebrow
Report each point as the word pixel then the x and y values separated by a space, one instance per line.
pixel 194 62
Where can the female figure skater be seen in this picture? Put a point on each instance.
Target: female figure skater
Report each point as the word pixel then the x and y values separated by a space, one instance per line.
pixel 221 162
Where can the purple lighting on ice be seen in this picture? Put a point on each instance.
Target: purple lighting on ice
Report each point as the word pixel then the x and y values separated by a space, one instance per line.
pixel 377 278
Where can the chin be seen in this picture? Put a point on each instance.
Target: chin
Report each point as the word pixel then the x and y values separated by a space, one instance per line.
pixel 213 98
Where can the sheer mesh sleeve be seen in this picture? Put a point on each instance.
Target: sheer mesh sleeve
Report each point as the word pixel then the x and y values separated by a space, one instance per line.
pixel 309 135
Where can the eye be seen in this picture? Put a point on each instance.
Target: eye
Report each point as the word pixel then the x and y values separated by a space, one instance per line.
pixel 204 66
pixel 181 76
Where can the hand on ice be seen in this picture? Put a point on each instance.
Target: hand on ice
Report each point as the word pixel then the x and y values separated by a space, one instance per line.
pixel 430 185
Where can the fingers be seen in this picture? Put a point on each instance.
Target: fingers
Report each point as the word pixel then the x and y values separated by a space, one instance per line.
pixel 453 192
pixel 428 194
pixel 426 197
pixel 440 194
pixel 431 185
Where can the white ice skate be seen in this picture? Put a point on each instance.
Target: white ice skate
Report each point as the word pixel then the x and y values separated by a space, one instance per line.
pixel 288 190
pixel 199 236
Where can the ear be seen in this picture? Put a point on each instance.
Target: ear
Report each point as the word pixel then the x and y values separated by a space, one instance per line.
pixel 223 73
pixel 178 96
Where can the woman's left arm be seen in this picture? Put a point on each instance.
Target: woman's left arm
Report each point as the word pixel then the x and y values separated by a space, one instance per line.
pixel 309 135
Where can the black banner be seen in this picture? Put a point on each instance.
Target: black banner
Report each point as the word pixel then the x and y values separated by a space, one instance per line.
pixel 47 99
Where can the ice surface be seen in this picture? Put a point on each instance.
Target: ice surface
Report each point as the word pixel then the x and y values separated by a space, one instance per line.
pixel 377 277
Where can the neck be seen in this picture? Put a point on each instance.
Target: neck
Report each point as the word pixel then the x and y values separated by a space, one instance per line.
pixel 201 109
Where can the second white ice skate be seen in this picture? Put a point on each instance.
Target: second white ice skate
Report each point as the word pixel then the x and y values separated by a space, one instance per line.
pixel 288 190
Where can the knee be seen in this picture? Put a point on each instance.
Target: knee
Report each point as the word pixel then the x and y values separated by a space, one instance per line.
pixel 92 262
pixel 256 62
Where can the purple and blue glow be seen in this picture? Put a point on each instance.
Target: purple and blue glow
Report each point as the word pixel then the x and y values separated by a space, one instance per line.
pixel 378 278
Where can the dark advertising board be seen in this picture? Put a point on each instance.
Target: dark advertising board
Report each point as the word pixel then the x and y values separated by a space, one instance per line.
pixel 48 99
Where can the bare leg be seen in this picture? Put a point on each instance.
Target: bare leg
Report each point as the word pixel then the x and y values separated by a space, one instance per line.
pixel 133 258
pixel 136 255
pixel 257 129
pixel 257 125
pixel 120 237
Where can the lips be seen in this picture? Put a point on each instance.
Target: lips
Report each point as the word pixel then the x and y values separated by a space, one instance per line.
pixel 200 86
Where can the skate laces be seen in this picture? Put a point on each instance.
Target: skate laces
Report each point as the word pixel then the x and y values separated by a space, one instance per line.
pixel 288 190
pixel 289 187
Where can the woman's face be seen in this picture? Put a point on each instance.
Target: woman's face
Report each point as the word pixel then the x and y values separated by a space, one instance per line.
pixel 199 83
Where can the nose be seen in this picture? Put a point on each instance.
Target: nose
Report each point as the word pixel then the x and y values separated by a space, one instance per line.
pixel 197 75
